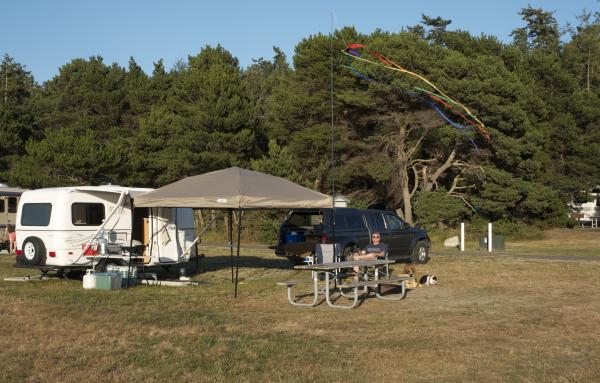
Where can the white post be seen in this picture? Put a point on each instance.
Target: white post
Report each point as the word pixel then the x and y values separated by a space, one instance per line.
pixel 490 237
pixel 462 236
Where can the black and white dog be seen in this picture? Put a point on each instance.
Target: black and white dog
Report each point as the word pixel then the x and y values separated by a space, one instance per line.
pixel 428 280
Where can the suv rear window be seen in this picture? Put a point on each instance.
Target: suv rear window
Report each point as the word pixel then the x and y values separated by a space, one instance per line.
pixel 304 219
pixel 36 214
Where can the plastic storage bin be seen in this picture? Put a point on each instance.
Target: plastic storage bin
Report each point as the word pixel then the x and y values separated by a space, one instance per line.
pixel 108 281
pixel 294 236
pixel 497 242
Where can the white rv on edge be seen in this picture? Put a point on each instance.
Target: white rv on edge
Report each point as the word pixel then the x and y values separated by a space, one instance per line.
pixel 76 226
pixel 587 213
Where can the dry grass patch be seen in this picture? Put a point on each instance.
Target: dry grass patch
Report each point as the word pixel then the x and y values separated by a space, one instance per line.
pixel 555 242
pixel 489 319
pixel 562 241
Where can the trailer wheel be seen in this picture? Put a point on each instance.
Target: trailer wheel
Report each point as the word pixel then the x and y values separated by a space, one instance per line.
pixel 34 251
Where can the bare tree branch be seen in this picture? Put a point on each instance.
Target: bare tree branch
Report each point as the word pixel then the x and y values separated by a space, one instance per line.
pixel 465 201
pixel 445 166
pixel 416 184
pixel 455 183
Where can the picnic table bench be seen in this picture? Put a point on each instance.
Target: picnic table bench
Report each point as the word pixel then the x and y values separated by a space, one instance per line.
pixel 333 276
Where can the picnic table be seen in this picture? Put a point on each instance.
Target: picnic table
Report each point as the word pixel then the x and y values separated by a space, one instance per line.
pixel 333 282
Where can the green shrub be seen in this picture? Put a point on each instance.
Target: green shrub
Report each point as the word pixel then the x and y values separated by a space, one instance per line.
pixel 432 208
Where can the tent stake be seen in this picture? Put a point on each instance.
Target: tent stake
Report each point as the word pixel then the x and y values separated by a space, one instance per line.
pixel 237 265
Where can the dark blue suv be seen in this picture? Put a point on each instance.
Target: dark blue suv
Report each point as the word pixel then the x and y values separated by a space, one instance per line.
pixel 304 228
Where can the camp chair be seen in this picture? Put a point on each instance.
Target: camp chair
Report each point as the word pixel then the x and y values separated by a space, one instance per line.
pixel 387 272
pixel 325 254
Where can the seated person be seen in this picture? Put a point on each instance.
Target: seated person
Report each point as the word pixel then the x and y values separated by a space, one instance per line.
pixel 376 249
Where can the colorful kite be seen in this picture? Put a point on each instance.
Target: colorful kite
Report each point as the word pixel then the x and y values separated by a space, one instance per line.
pixel 440 98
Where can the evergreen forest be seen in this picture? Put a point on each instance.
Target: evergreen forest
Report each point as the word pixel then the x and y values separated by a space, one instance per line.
pixel 538 95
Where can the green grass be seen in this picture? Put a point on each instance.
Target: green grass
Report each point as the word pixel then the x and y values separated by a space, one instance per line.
pixel 490 319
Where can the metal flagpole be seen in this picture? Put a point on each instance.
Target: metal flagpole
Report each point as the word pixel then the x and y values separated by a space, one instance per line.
pixel 332 139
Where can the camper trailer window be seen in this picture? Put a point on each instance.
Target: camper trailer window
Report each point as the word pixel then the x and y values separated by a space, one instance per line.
pixel 87 214
pixel 12 205
pixel 1 206
pixel 36 214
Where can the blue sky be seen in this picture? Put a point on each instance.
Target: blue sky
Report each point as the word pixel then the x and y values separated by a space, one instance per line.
pixel 44 35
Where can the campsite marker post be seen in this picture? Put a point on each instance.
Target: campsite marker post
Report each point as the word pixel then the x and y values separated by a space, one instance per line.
pixel 462 236
pixel 489 242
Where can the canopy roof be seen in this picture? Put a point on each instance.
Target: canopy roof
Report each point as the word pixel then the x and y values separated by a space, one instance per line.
pixel 234 188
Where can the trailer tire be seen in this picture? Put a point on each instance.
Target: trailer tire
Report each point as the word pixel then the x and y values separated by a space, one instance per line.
pixel 34 252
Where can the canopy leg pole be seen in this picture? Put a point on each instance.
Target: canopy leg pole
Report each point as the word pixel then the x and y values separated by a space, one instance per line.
pixel 130 243
pixel 230 238
pixel 237 265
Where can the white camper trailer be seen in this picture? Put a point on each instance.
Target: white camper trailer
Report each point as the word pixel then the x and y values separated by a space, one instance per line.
pixel 587 213
pixel 78 226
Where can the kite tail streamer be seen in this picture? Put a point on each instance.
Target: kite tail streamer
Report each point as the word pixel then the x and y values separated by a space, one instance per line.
pixel 352 50
pixel 458 126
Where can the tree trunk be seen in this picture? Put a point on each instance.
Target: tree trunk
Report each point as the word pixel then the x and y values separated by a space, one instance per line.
pixel 406 197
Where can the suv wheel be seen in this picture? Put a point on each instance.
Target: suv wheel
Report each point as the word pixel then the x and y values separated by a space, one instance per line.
pixel 421 253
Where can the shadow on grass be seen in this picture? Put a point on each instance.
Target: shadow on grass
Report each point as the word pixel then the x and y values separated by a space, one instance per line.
pixel 214 263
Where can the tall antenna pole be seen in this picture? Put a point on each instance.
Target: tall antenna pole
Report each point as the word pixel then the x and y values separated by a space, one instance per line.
pixel 332 112
pixel 332 135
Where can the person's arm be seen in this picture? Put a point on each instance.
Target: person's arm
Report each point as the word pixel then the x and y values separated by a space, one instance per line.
pixel 384 250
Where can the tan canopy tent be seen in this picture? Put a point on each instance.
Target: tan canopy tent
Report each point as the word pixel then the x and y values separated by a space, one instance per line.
pixel 234 189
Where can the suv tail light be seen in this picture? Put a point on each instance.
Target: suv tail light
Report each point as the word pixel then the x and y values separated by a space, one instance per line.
pixel 324 238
